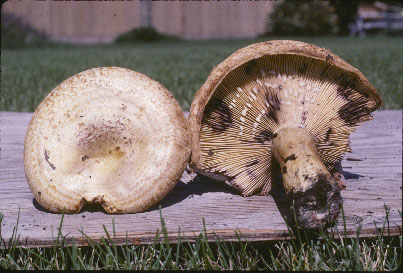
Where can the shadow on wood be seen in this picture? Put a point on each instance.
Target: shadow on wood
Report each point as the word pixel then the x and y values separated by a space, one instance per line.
pixel 351 176
pixel 202 184
pixel 197 186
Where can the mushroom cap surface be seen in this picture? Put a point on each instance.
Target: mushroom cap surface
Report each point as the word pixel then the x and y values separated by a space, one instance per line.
pixel 107 135
pixel 260 89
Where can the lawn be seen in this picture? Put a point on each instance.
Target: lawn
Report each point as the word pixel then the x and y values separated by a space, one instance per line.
pixel 29 74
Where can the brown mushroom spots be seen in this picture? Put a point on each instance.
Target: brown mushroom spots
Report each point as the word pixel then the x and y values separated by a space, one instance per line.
pixel 286 101
pixel 106 135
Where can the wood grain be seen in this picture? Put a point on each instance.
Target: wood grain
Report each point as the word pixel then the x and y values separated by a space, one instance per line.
pixel 373 174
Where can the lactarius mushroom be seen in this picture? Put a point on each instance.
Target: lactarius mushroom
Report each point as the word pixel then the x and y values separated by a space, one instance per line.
pixel 284 101
pixel 106 135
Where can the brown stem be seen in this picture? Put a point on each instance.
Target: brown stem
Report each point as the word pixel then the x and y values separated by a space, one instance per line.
pixel 313 191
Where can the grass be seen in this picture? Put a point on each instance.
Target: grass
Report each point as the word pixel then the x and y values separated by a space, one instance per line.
pixel 29 74
pixel 309 250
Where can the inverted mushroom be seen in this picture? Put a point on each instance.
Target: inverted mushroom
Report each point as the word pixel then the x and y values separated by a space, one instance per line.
pixel 106 135
pixel 284 101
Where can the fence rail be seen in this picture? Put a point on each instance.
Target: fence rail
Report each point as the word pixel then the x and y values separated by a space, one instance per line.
pixel 383 20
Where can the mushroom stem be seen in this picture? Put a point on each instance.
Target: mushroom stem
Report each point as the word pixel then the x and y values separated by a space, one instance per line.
pixel 310 187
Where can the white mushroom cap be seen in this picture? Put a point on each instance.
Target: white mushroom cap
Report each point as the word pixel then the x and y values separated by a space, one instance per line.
pixel 107 135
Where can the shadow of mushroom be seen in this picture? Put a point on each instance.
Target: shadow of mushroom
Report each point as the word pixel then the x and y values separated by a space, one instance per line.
pixel 197 186
pixel 40 208
pixel 202 184
pixel 351 176
pixel 280 198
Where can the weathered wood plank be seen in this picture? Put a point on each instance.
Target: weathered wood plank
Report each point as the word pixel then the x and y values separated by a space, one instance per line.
pixel 373 176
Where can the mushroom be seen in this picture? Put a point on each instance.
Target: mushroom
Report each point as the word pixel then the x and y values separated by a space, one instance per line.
pixel 107 135
pixel 284 102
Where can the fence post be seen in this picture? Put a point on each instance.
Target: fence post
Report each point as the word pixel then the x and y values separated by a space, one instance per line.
pixel 145 13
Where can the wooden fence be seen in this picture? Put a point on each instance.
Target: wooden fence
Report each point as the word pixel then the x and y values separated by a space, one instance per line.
pixel 96 21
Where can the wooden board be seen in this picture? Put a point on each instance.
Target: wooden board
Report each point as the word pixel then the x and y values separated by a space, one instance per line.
pixel 373 177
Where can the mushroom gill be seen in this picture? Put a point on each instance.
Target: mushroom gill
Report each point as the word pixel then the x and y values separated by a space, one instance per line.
pixel 283 101
pixel 107 135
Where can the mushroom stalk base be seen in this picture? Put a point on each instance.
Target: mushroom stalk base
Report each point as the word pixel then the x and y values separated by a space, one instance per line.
pixel 309 186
